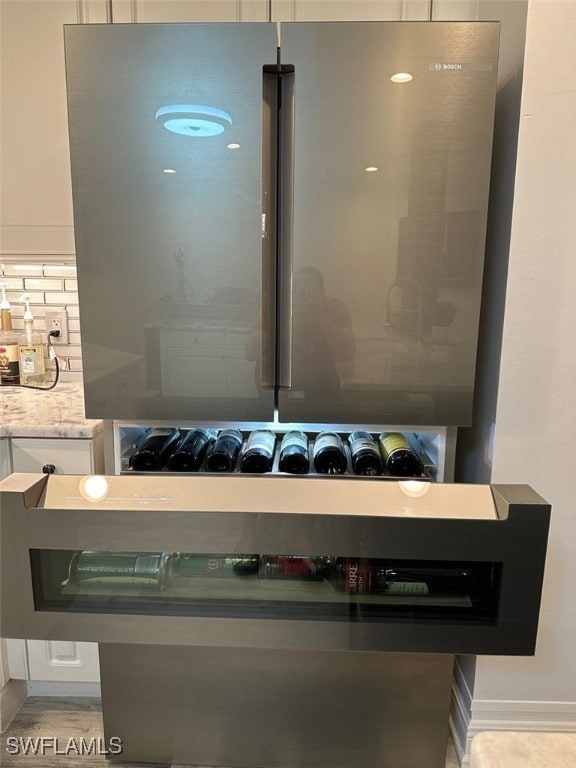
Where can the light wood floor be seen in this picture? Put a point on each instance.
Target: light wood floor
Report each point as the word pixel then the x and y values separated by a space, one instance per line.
pixel 65 718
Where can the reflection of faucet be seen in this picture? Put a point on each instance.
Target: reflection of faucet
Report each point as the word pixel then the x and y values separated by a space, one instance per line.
pixel 402 319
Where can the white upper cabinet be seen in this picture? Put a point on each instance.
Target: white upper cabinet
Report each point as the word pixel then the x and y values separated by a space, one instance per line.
pixel 350 10
pixel 36 198
pixel 158 11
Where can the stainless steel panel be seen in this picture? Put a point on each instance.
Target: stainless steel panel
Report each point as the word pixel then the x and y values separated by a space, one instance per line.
pixel 388 263
pixel 162 252
pixel 246 707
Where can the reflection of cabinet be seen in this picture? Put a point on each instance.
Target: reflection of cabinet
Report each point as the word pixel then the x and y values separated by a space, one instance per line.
pixel 210 362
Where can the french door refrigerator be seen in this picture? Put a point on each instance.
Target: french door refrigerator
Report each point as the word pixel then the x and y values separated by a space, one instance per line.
pixel 279 234
pixel 291 233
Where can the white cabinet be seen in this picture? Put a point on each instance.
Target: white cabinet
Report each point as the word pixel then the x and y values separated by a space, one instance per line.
pixel 68 456
pixel 56 660
pixel 150 11
pixel 351 10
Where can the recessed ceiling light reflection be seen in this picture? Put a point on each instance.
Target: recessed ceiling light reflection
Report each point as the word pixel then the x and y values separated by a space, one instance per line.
pixel 194 119
pixel 233 146
pixel 94 487
pixel 371 169
pixel 401 77
pixel 168 170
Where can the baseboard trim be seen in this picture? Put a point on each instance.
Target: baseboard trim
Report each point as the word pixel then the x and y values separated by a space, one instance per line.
pixel 12 696
pixel 51 688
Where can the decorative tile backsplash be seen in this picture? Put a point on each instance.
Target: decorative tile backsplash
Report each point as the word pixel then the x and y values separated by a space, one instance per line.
pixel 51 286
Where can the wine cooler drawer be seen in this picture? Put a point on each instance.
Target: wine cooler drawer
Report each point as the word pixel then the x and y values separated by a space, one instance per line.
pixel 246 562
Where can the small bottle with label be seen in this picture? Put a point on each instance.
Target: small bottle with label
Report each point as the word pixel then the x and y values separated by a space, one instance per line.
pixel 31 349
pixel 9 361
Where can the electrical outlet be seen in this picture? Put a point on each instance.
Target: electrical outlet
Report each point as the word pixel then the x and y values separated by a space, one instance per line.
pixel 57 320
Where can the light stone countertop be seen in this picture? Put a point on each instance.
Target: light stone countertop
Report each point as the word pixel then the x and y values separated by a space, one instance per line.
pixel 58 412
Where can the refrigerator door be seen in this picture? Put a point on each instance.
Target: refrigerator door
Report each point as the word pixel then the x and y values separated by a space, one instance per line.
pixel 392 146
pixel 166 133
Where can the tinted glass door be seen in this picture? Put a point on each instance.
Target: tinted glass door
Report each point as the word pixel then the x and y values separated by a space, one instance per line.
pixel 167 144
pixel 392 147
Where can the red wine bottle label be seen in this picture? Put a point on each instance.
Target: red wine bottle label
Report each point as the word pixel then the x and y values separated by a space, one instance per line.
pixel 362 443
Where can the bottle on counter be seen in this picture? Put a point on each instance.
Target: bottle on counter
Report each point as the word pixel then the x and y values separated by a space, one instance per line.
pixel 258 453
pixel 294 454
pixel 154 448
pixel 399 458
pixel 366 458
pixel 224 453
pixel 31 350
pixel 328 454
pixel 9 359
pixel 191 450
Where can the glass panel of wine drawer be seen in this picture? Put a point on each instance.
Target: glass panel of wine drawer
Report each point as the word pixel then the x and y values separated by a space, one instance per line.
pixel 279 586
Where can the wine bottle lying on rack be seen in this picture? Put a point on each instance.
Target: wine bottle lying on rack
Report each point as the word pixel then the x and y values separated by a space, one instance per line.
pixel 366 458
pixel 258 453
pixel 294 454
pixel 191 450
pixel 153 449
pixel 224 453
pixel 328 454
pixel 362 576
pixel 399 458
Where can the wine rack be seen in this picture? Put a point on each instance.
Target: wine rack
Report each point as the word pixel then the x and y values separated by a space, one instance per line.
pixel 429 446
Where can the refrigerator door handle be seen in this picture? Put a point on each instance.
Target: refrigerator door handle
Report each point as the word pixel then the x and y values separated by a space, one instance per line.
pixel 269 229
pixel 285 227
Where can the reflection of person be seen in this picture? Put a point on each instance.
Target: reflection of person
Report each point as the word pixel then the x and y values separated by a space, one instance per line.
pixel 322 336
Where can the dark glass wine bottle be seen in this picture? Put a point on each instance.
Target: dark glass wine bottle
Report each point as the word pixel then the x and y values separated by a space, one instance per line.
pixel 153 449
pixel 399 459
pixel 328 454
pixel 191 450
pixel 294 454
pixel 357 575
pixel 218 566
pixel 258 453
pixel 291 567
pixel 366 459
pixel 224 452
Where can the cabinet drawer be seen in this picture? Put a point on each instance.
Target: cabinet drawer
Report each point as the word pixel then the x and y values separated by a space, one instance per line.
pixel 73 457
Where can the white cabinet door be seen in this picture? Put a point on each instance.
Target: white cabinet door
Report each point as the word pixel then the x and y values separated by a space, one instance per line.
pixel 57 661
pixel 130 11
pixel 75 457
pixel 63 661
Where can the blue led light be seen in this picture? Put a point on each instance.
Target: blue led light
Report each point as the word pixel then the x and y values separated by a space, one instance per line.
pixel 194 120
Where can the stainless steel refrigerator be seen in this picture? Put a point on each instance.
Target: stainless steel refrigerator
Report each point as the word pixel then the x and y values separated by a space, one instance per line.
pixel 290 232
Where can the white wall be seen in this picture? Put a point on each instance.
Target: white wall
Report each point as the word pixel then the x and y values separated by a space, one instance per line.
pixel 536 415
